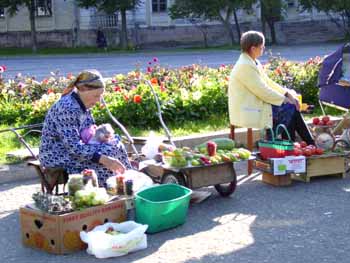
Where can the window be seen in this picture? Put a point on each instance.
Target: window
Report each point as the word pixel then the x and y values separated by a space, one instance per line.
pixel 159 6
pixel 43 8
pixel 291 3
pixel 2 12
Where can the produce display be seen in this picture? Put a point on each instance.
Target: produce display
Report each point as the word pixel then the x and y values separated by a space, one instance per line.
pixel 211 152
pixel 89 197
pixel 51 203
pixel 307 150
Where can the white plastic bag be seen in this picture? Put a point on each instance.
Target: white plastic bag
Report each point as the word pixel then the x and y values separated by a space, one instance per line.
pixel 150 149
pixel 131 238
pixel 140 180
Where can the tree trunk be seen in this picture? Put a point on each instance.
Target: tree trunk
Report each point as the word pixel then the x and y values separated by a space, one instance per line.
pixel 31 9
pixel 230 32
pixel 124 32
pixel 237 24
pixel 273 32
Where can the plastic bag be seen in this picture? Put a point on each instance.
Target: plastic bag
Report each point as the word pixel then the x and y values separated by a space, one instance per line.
pixel 140 180
pixel 127 237
pixel 151 148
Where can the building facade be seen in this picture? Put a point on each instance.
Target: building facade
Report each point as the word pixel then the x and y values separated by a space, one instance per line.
pixel 62 23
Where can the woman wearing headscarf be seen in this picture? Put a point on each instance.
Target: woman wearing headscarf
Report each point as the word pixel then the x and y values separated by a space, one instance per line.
pixel 61 144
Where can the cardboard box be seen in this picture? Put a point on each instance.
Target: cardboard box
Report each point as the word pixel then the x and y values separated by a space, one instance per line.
pixel 282 180
pixel 274 166
pixel 59 234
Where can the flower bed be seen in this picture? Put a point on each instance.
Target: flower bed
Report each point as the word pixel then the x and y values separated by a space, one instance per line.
pixel 188 93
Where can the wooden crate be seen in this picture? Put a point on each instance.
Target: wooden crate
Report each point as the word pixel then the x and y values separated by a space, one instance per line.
pixel 276 180
pixel 333 164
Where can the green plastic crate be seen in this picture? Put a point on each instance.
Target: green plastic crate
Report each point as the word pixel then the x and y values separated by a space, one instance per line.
pixel 162 207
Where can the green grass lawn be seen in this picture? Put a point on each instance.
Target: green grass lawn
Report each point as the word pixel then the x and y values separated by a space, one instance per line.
pixel 9 142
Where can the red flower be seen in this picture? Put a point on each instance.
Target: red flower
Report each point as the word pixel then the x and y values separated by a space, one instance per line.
pixel 49 91
pixel 137 99
pixel 117 89
pixel 162 87
pixel 278 71
pixel 149 69
pixel 154 81
pixel 126 97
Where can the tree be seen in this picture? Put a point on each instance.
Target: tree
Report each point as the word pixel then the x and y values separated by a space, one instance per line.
pixel 221 10
pixel 334 9
pixel 13 7
pixel 271 12
pixel 111 7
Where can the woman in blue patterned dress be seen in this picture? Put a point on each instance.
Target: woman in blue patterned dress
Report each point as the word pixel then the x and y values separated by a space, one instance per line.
pixel 61 144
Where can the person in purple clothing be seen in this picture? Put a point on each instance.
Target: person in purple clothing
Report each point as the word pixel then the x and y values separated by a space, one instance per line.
pixel 61 144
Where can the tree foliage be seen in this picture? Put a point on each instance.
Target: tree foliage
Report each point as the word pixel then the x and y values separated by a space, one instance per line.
pixel 111 7
pixel 334 9
pixel 13 7
pixel 222 10
pixel 271 12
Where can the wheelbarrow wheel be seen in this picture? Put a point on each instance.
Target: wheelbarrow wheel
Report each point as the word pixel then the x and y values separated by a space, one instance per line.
pixel 173 179
pixel 227 189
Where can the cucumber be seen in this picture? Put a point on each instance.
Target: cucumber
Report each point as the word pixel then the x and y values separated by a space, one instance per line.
pixel 222 144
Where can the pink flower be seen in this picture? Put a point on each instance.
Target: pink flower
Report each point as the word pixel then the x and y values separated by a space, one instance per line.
pixel 149 62
pixel 155 59
pixel 149 69
pixel 117 89
pixel 2 69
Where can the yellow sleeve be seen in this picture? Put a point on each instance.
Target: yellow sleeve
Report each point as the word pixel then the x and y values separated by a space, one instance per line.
pixel 251 79
pixel 277 87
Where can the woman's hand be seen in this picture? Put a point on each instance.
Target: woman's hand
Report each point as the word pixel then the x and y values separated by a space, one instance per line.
pixel 292 100
pixel 112 164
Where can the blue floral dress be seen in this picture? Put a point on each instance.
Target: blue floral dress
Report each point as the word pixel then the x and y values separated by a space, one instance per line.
pixel 61 145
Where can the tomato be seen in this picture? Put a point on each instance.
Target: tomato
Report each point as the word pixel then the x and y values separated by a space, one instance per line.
pixel 297 152
pixel 316 121
pixel 312 149
pixel 303 144
pixel 325 119
pixel 307 152
pixel 319 151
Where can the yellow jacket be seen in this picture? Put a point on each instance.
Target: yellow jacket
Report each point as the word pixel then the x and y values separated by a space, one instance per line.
pixel 251 93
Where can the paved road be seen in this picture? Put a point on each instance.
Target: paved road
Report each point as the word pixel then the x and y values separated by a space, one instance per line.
pixel 259 223
pixel 109 64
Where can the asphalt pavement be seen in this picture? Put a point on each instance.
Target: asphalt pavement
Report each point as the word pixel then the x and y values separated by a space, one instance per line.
pixel 305 222
pixel 110 64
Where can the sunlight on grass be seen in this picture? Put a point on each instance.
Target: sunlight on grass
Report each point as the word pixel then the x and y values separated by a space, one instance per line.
pixel 215 123
pixel 9 143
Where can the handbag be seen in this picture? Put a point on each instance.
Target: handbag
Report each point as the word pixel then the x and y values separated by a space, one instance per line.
pixel 276 148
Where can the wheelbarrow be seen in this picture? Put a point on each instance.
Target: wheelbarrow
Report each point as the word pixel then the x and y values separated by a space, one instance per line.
pixel 222 176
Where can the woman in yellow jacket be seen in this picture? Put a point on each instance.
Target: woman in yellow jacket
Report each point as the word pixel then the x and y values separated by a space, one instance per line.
pixel 255 101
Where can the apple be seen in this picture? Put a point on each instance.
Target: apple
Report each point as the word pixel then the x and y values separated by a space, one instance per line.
pixel 303 144
pixel 325 119
pixel 316 121
pixel 297 145
pixel 297 152
pixel 329 123
pixel 307 152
